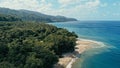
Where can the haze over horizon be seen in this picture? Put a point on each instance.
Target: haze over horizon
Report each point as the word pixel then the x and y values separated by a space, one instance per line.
pixel 80 9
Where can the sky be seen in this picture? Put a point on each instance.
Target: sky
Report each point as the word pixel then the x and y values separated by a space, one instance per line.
pixel 79 9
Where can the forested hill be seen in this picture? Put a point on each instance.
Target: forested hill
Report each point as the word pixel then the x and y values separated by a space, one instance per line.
pixel 4 17
pixel 33 45
pixel 26 15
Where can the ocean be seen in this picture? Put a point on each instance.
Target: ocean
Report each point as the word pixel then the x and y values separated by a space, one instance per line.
pixel 107 32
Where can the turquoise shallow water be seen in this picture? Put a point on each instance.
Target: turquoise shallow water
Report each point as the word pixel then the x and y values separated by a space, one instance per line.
pixel 107 32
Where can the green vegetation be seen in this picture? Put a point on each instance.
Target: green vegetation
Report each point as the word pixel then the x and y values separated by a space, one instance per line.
pixel 4 17
pixel 33 45
pixel 26 15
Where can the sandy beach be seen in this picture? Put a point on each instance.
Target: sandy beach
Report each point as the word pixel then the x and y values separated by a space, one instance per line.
pixel 82 45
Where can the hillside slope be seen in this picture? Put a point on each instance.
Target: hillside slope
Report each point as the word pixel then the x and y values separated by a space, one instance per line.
pixel 26 15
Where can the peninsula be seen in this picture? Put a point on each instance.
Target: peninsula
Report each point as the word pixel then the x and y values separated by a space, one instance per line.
pixel 82 45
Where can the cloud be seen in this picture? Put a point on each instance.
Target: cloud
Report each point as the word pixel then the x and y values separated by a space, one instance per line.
pixel 65 3
pixel 78 11
pixel 26 4
pixel 116 4
pixel 116 14
pixel 93 3
pixel 104 5
pixel 80 8
pixel 19 4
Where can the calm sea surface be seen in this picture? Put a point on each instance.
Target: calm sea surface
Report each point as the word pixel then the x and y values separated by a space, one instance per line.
pixel 107 32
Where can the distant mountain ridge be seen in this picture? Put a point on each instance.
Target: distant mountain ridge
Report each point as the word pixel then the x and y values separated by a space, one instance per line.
pixel 26 15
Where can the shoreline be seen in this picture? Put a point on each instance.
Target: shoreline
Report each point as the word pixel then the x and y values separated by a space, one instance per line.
pixel 82 45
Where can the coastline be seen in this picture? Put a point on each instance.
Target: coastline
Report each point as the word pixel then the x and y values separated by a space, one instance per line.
pixel 82 45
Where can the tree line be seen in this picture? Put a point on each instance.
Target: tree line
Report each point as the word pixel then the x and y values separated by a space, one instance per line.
pixel 4 17
pixel 33 45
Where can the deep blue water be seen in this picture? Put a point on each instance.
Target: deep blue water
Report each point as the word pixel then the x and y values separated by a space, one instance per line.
pixel 107 32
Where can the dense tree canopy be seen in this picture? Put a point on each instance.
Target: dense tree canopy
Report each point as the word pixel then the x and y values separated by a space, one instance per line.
pixel 33 45
pixel 4 17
